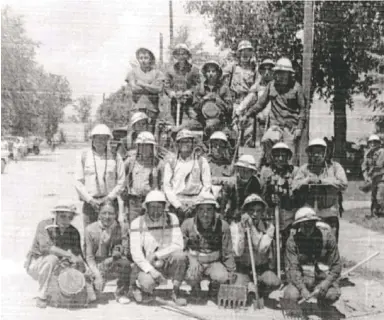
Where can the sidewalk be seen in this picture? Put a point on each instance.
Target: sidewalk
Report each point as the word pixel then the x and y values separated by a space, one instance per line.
pixel 356 242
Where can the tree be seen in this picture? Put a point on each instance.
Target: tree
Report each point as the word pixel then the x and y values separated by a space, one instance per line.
pixel 83 108
pixel 344 31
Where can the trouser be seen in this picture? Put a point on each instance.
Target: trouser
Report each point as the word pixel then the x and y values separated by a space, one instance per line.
pixel 41 269
pixel 377 198
pixel 334 223
pixel 183 108
pixel 291 292
pixel 119 269
pixel 175 266
pixel 91 215
pixel 267 280
pixel 215 271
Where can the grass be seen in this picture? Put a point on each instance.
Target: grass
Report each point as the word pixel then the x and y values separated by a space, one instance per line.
pixel 358 216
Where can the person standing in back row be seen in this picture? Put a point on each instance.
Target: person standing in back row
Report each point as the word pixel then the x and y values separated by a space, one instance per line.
pixel 146 83
pixel 99 174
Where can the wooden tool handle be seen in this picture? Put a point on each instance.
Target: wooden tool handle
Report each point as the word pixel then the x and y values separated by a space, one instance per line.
pixel 252 261
pixel 277 222
pixel 179 310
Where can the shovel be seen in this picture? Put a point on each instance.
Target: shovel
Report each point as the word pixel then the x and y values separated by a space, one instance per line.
pixel 277 229
pixel 291 309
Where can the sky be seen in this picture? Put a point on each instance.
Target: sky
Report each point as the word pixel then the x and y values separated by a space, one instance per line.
pixel 92 42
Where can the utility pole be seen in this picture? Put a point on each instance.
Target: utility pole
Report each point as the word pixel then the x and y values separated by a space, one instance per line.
pixel 307 72
pixel 161 49
pixel 170 24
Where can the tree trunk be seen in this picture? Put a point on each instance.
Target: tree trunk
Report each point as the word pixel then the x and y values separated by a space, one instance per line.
pixel 340 120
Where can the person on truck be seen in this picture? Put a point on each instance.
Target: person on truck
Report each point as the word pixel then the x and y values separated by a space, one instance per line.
pixel 99 174
pixel 146 83
pixel 186 175
pixel 143 172
pixel 288 105
pixel 180 81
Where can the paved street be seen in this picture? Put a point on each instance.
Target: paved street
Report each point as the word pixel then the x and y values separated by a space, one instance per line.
pixel 31 187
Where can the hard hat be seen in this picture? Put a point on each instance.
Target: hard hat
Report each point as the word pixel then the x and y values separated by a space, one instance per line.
pixel 184 134
pixel 154 196
pixel 212 63
pixel 244 44
pixel 305 214
pixel 138 116
pixel 101 129
pixel 253 198
pixel 282 146
pixel 219 135
pixel 374 137
pixel 267 62
pixel 145 137
pixel 181 46
pixel 283 64
pixel 316 142
pixel 246 161
pixel 146 50
pixel 65 206
pixel 206 198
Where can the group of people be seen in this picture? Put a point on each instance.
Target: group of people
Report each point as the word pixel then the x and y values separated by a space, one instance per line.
pixel 186 216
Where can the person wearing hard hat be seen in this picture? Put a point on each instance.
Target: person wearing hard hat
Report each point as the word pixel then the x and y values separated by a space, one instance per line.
pixel 99 174
pixel 180 81
pixel 276 181
pixel 212 100
pixel 219 158
pixel 146 83
pixel 138 123
pixel 373 170
pixel 143 172
pixel 56 239
pixel 332 179
pixel 246 183
pixel 262 233
pixel 186 175
pixel 208 244
pixel 106 251
pixel 312 260
pixel 157 249
pixel 288 105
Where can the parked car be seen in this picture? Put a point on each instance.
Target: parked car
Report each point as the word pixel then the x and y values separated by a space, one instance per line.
pixel 33 143
pixel 4 155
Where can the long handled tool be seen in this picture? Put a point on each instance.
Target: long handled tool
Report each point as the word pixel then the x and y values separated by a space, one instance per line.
pixel 292 310
pixel 178 111
pixel 166 305
pixel 277 229
pixel 258 303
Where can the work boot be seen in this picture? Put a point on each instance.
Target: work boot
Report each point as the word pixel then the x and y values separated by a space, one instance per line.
pixel 41 303
pixel 213 290
pixel 179 301
pixel 135 293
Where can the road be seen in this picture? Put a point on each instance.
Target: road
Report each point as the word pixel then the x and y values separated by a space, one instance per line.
pixel 30 188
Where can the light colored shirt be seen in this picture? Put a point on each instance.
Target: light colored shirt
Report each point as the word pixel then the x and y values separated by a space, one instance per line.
pixel 184 178
pixel 99 176
pixel 162 237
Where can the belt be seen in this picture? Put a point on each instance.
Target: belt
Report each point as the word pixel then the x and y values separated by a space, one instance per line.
pixel 203 257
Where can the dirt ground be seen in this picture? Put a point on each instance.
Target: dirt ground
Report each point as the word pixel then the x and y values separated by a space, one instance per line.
pixel 29 190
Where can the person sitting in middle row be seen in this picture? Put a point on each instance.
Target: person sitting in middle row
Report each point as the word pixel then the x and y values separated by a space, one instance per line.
pixel 157 249
pixel 262 234
pixel 186 176
pixel 208 243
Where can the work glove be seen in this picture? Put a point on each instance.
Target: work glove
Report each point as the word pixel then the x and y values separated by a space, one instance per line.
pixel 322 288
pixel 271 231
pixel 232 277
pixel 194 269
pixel 305 293
pixel 297 134
pixel 246 220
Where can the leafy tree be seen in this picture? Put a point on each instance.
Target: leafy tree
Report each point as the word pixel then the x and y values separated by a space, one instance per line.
pixel 83 108
pixel 343 33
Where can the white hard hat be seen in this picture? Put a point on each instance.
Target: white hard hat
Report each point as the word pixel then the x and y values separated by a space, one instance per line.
pixel 316 142
pixel 267 62
pixel 181 46
pixel 246 161
pixel 138 116
pixel 154 196
pixel 282 146
pixel 283 64
pixel 207 198
pixel 374 137
pixel 65 206
pixel 101 129
pixel 219 135
pixel 244 44
pixel 305 214
pixel 145 137
pixel 253 198
pixel 212 63
pixel 184 134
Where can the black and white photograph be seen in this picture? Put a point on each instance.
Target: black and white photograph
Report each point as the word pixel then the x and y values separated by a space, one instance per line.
pixel 181 159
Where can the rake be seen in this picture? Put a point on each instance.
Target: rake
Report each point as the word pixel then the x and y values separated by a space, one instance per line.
pixel 291 309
